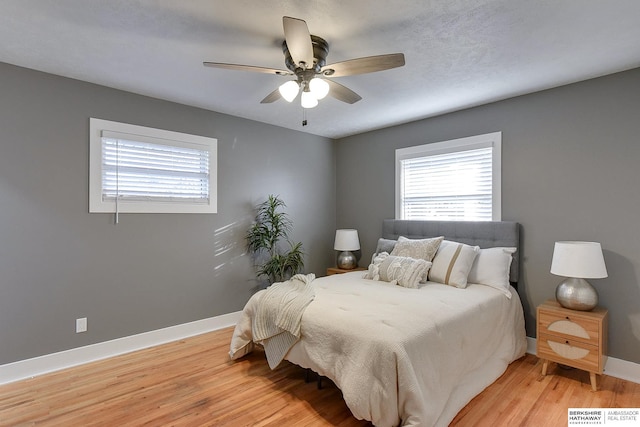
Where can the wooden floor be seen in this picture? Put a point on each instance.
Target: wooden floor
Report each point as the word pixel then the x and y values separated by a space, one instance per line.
pixel 192 383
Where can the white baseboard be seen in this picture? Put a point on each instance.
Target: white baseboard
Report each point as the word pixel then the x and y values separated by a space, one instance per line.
pixel 77 356
pixel 618 368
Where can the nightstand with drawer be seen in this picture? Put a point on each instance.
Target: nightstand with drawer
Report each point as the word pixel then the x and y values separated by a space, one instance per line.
pixel 572 338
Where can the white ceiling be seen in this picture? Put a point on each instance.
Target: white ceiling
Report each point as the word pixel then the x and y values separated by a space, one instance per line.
pixel 459 53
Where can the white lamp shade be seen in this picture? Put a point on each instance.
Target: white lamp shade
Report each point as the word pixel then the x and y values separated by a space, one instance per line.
pixel 346 240
pixel 289 90
pixel 582 260
pixel 307 100
pixel 319 87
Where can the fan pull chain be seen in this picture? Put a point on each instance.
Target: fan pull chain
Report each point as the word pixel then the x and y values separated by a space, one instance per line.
pixel 304 117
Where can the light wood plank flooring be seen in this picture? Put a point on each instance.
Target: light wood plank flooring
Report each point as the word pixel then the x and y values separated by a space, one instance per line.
pixel 192 383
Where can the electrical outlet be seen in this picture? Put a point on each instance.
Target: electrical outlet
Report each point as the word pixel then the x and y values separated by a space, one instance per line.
pixel 81 325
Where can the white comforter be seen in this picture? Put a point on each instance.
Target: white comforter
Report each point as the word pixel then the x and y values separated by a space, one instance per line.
pixel 410 357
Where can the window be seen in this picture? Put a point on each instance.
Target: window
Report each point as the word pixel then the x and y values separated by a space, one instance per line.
pixel 457 180
pixel 139 169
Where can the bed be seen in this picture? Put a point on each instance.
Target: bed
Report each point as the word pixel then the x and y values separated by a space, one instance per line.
pixel 408 355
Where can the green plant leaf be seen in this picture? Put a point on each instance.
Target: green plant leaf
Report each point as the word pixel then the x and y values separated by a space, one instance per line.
pixel 271 227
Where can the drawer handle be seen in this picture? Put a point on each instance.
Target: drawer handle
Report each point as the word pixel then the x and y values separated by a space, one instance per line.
pixel 566 342
pixel 567 318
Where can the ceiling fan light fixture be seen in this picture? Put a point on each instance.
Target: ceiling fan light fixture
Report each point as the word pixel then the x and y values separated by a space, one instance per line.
pixel 305 59
pixel 289 90
pixel 319 87
pixel 308 100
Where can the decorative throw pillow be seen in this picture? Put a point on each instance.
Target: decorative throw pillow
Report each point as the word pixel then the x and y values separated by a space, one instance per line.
pixel 384 245
pixel 373 272
pixel 452 263
pixel 421 249
pixel 491 268
pixel 402 271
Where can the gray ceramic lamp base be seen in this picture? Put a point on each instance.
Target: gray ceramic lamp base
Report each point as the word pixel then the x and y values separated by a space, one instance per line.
pixel 347 260
pixel 577 294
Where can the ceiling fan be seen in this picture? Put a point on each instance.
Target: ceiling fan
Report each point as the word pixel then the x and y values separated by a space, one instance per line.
pixel 305 59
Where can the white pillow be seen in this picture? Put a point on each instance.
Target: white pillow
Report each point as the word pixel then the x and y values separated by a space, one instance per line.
pixel 373 272
pixel 491 268
pixel 403 271
pixel 452 263
pixel 420 249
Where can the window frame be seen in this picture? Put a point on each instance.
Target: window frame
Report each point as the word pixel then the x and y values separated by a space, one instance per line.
pixel 493 140
pixel 156 136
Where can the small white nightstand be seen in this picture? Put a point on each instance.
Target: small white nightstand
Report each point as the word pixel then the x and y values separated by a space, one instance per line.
pixel 572 338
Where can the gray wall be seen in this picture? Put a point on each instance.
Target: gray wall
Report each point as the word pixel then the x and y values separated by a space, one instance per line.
pixel 59 263
pixel 569 172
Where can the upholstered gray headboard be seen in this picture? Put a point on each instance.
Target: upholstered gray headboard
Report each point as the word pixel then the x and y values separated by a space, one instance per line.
pixel 486 234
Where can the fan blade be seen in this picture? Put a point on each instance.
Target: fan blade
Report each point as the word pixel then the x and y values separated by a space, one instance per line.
pixel 247 68
pixel 298 38
pixel 272 97
pixel 365 65
pixel 342 93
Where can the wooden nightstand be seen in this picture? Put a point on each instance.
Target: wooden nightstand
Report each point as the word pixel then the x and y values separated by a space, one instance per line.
pixel 572 338
pixel 336 270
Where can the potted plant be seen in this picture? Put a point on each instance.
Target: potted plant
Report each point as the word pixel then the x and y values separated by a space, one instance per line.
pixel 275 256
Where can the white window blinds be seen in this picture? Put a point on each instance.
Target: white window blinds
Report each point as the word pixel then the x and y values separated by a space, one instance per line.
pixel 448 186
pixel 137 169
pixel 142 171
pixel 449 182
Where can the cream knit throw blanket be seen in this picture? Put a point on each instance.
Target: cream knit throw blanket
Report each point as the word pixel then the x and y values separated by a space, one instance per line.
pixel 276 324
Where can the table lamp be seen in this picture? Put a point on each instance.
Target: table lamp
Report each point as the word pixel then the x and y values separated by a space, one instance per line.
pixel 578 261
pixel 345 242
